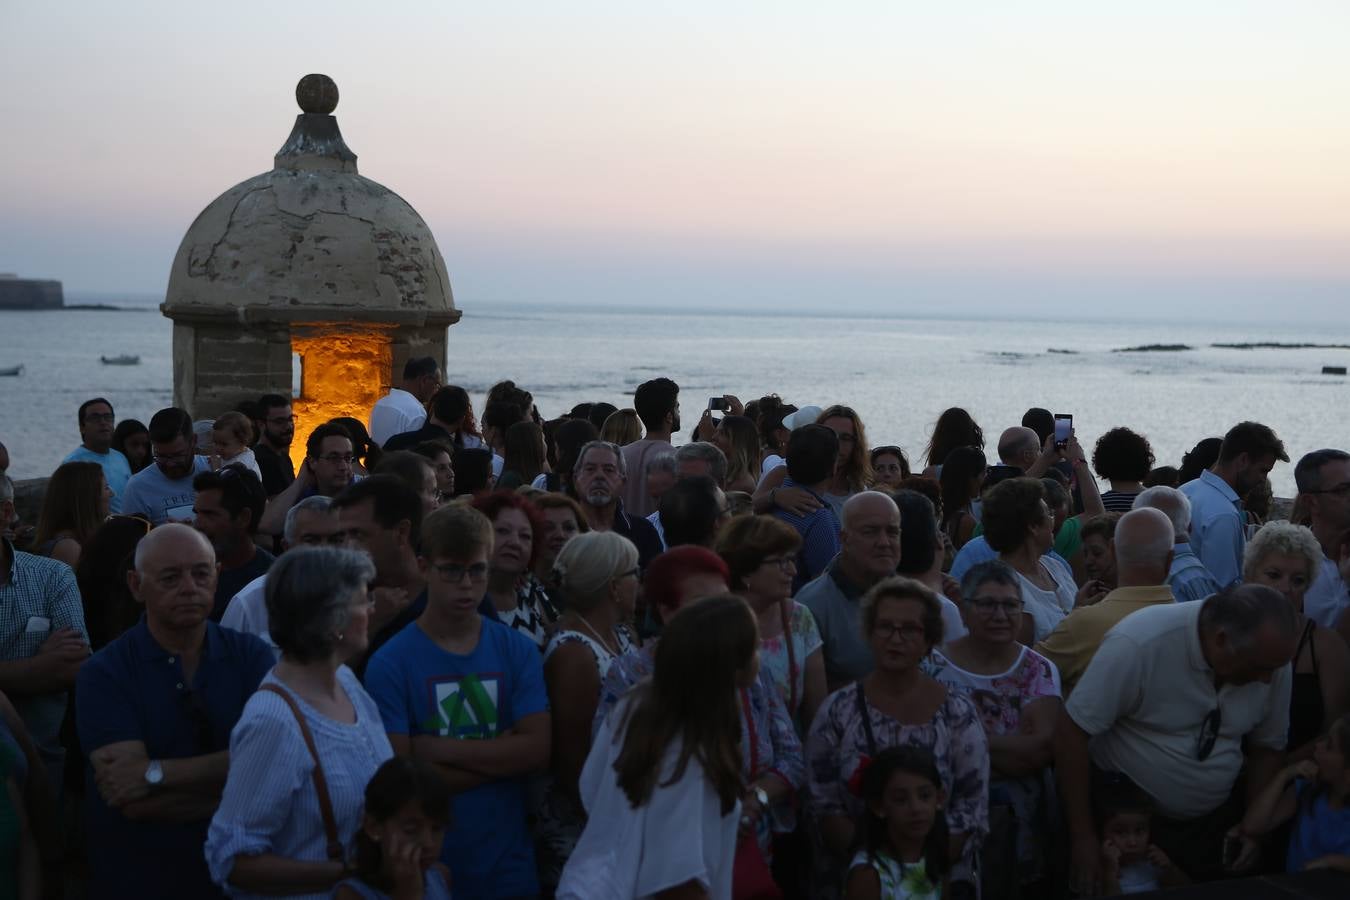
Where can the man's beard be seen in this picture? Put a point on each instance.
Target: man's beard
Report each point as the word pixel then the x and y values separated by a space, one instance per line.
pixel 599 497
pixel 279 439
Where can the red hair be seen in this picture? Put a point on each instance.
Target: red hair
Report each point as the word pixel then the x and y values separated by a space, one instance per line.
pixel 662 581
pixel 492 504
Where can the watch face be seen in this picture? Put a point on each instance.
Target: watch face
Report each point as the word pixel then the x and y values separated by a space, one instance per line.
pixel 154 774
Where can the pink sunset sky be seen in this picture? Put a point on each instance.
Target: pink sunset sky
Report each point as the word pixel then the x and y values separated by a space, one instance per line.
pixel 1046 157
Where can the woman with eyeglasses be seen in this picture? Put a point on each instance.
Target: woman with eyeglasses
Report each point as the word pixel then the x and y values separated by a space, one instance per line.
pixel 598 576
pixel 1017 693
pixel 898 704
pixel 1287 558
pixel 761 554
pixel 75 505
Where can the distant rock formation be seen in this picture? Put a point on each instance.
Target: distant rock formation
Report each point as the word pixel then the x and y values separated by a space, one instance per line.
pixel 30 293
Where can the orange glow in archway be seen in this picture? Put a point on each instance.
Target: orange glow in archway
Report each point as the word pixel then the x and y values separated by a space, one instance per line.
pixel 343 372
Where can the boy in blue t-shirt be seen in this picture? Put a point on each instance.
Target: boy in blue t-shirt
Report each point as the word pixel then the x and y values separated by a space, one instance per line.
pixel 468 695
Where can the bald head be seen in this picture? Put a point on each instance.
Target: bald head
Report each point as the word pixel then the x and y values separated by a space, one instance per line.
pixel 1143 543
pixel 1018 446
pixel 169 542
pixel 866 504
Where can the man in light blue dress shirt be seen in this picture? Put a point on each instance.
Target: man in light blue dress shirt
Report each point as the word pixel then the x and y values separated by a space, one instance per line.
pixel 1218 523
pixel 96 434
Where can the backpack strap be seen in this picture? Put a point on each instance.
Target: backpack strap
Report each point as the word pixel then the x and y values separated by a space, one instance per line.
pixel 335 848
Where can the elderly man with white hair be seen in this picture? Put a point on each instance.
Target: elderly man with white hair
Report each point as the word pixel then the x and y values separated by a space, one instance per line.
pixel 1188 578
pixel 1143 545
pixel 309 523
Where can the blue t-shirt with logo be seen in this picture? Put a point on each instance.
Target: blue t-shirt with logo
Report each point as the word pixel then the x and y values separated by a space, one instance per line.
pixel 149 493
pixel 423 690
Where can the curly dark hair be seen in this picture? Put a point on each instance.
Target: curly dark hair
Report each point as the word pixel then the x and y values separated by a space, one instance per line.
pixel 1011 509
pixel 1122 455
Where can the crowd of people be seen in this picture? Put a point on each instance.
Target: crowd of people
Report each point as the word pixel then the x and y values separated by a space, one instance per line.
pixel 500 656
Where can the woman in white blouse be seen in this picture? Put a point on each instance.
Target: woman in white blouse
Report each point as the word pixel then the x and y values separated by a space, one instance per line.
pixel 662 784
pixel 278 830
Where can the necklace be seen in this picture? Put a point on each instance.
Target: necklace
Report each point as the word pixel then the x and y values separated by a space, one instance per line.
pixel 613 652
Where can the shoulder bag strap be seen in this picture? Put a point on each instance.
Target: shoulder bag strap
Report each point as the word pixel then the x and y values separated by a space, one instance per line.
pixel 866 715
pixel 335 848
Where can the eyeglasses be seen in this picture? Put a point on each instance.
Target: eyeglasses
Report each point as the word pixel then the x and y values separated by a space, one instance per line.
pixel 281 420
pixel 631 573
pixel 453 573
pixel 335 458
pixel 908 631
pixel 1209 734
pixel 987 606
pixel 144 523
pixel 784 563
pixel 1342 488
pixel 181 456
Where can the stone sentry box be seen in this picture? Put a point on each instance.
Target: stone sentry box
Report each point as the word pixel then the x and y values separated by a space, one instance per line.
pixel 309 261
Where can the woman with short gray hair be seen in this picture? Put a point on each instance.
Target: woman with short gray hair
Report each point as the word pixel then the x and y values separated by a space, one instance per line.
pixel 308 740
pixel 1287 558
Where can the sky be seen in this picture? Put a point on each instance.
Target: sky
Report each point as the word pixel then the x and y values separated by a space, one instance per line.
pixel 1037 158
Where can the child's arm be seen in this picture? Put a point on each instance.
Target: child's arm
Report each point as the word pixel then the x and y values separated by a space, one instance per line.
pixel 1338 861
pixel 1169 875
pixel 1110 869
pixel 864 884
pixel 1278 800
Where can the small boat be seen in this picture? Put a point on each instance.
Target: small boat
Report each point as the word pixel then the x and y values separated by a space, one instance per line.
pixel 15 370
pixel 1326 370
pixel 120 360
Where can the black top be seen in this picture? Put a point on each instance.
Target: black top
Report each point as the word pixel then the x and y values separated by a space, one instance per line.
pixel 641 533
pixel 232 581
pixel 1306 709
pixel 277 469
pixel 410 439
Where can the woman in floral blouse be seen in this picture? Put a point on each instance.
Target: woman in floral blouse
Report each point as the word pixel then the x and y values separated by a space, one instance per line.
pixel 899 705
pixel 761 553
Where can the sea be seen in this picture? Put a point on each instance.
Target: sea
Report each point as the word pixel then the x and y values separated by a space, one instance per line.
pixel 899 373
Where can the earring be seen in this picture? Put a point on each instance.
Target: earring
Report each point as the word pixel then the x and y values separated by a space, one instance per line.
pixel 339 637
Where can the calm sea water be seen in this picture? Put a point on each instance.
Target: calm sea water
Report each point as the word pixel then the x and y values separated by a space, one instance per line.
pixel 898 373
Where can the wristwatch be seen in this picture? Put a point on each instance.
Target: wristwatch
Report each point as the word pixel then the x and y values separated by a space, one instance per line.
pixel 762 796
pixel 154 773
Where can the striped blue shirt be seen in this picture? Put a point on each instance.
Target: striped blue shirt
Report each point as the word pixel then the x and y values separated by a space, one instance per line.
pixel 820 536
pixel 270 804
pixel 1188 578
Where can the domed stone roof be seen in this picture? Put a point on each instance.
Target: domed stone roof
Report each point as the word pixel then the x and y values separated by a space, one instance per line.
pixel 311 240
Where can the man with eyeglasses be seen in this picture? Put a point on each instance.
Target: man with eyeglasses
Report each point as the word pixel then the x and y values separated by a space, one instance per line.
pixel 273 450
pixel 309 523
pixel 326 472
pixel 96 421
pixel 598 480
pixel 155 710
pixel 1181 698
pixel 1143 543
pixel 1323 479
pixel 163 492
pixel 467 694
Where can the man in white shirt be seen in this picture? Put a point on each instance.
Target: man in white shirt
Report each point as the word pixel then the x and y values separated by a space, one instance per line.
pixel 404 409
pixel 1323 479
pixel 309 523
pixel 1218 525
pixel 1168 701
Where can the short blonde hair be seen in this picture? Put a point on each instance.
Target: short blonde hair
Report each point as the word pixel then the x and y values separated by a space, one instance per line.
pixel 455 531
pixel 589 563
pixel 900 588
pixel 237 424
pixel 1281 537
pixel 621 427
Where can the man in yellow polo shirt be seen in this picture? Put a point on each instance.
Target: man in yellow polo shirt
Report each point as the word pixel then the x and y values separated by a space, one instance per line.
pixel 1143 544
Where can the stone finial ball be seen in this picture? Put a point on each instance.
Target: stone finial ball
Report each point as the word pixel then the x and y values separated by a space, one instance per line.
pixel 317 94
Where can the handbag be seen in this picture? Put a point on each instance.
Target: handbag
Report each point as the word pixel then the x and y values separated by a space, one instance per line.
pixel 335 849
pixel 750 875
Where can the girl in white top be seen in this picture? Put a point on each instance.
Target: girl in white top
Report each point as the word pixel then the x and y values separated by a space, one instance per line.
pixel 904 852
pixel 662 784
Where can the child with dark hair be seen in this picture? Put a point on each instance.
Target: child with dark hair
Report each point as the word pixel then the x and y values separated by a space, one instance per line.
pixel 904 841
pixel 1131 864
pixel 399 842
